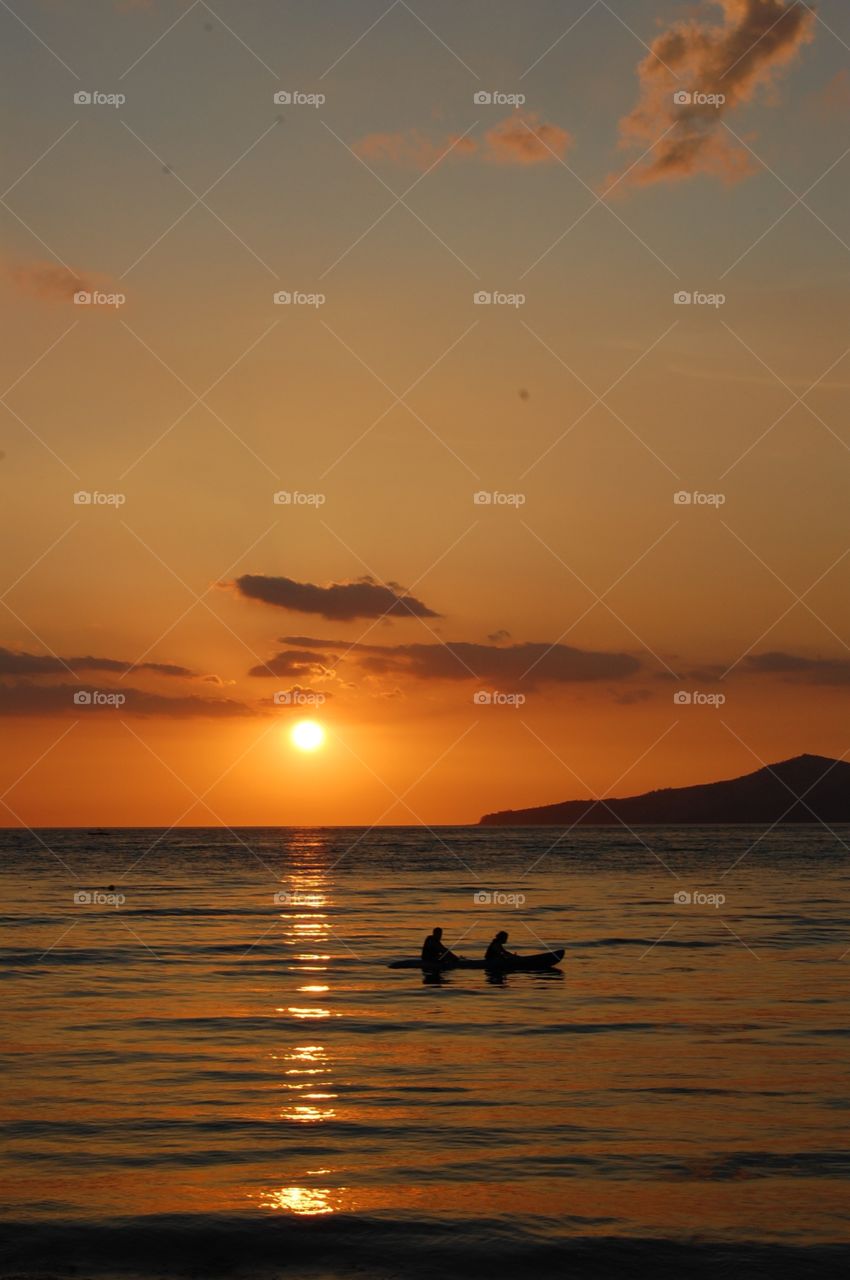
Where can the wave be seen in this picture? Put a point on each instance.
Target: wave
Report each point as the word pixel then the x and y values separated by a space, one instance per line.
pixel 385 1245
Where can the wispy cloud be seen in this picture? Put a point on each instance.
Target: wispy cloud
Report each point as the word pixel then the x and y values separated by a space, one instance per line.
pixel 521 665
pixel 18 663
pixel 527 140
pixel 28 687
pixel 521 139
pixel 48 280
pixel 338 602
pixel 295 662
pixel 755 42
pixel 26 698
pixel 412 149
pixel 799 669
pixel 834 98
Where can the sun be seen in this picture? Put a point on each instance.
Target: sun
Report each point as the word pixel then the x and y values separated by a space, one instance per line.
pixel 307 735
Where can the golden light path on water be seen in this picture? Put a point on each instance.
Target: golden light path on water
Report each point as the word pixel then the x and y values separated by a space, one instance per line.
pixel 307 1067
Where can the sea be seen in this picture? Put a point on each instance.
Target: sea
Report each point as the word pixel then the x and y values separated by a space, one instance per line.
pixel 210 1070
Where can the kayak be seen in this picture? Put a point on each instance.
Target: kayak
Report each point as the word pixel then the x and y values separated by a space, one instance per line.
pixel 522 964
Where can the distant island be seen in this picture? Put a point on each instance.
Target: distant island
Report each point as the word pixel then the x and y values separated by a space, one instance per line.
pixel 805 789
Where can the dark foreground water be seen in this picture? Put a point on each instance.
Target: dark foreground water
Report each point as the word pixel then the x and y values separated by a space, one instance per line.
pixel 202 1080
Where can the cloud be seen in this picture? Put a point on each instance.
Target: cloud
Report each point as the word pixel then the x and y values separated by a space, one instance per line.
pixel 834 98
pixel 41 664
pixel 526 139
pixel 24 698
pixel 22 692
pixel 521 139
pixel 339 602
pixel 528 664
pixel 294 662
pixel 412 149
pixel 47 280
pixel 826 671
pixel 746 52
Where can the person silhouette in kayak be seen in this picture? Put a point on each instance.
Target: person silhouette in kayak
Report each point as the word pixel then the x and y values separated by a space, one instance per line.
pixel 433 951
pixel 497 953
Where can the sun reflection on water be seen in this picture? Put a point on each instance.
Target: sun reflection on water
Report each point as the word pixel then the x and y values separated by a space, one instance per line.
pixel 307 1115
pixel 305 1201
pixel 306 929
pixel 312 1060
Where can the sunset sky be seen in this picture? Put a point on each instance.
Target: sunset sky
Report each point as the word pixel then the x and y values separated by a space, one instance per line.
pixel 382 398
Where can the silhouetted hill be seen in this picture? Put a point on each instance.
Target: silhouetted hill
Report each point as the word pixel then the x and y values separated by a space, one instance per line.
pixel 805 789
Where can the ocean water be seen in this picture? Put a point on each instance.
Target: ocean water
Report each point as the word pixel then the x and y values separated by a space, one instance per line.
pixel 210 1070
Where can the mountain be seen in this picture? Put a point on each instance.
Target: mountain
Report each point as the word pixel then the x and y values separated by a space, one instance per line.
pixel 805 789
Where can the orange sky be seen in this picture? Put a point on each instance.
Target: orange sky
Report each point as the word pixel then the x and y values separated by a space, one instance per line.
pixel 580 400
